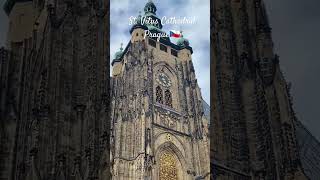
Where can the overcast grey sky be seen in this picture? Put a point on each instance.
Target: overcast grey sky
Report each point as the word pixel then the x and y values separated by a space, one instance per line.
pixel 296 34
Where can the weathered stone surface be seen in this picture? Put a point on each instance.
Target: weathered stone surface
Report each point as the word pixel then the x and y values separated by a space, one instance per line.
pixel 56 107
pixel 253 132
pixel 55 100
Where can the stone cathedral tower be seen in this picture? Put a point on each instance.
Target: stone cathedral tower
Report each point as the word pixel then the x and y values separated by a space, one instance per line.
pixel 253 125
pixel 54 91
pixel 158 127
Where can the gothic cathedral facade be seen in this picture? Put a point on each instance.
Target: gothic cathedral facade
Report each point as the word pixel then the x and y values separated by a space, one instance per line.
pixel 159 131
pixel 253 128
pixel 54 99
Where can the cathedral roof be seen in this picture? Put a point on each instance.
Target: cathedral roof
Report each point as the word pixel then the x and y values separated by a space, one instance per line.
pixel 150 11
pixel 150 8
pixel 183 42
pixel 175 46
pixel 118 55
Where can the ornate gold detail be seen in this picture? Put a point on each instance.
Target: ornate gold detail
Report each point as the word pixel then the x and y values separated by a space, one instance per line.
pixel 168 167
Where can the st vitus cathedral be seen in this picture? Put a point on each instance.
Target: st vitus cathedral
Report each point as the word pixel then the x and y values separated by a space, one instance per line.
pixel 59 115
pixel 253 125
pixel 159 130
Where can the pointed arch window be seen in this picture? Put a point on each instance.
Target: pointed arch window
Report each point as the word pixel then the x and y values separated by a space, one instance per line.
pixel 159 95
pixel 168 98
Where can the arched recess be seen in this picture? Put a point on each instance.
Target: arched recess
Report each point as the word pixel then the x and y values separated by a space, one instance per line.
pixel 169 166
pixel 170 163
pixel 165 68
pixel 166 137
pixel 169 143
pixel 159 65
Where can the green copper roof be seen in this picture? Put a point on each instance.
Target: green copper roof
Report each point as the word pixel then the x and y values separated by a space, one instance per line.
pixel 150 8
pixel 183 42
pixel 155 19
pixel 151 27
pixel 9 4
pixel 118 54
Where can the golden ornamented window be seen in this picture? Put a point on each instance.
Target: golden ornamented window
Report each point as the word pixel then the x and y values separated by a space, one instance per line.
pixel 159 96
pixel 168 98
pixel 168 167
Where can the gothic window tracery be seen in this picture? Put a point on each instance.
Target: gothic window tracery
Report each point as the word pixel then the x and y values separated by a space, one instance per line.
pixel 159 96
pixel 168 98
pixel 168 167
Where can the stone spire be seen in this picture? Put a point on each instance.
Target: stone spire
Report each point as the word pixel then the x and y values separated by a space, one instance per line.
pixel 153 22
pixel 262 17
pixel 117 55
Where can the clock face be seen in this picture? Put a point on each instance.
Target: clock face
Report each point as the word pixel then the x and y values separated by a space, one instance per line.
pixel 164 80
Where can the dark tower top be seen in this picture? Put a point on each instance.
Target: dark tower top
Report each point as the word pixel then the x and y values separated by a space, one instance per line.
pixel 150 8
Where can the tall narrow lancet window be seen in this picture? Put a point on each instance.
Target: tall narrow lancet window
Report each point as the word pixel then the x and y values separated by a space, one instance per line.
pixel 168 98
pixel 159 96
